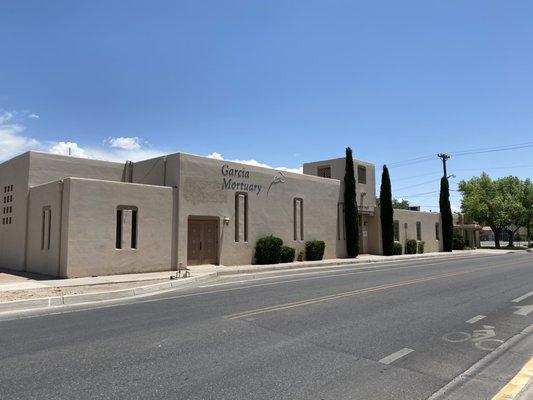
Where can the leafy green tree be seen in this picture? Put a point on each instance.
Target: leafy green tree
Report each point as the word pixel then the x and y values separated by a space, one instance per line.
pixel 515 188
pixel 494 203
pixel 528 205
pixel 387 217
pixel 446 215
pixel 400 204
pixel 351 217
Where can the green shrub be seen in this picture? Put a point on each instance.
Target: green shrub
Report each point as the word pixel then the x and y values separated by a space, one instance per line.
pixel 287 254
pixel 397 248
pixel 410 246
pixel 421 245
pixel 458 241
pixel 300 256
pixel 268 250
pixel 314 250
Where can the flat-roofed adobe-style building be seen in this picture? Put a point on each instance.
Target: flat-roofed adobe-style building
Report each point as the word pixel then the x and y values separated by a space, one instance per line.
pixel 72 217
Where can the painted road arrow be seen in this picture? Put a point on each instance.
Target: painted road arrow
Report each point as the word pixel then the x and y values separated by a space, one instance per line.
pixel 523 310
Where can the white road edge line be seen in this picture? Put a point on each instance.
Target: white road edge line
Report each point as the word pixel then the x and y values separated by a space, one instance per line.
pixel 395 356
pixel 519 299
pixel 475 319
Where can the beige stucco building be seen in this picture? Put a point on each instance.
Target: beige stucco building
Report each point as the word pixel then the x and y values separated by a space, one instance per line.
pixel 71 217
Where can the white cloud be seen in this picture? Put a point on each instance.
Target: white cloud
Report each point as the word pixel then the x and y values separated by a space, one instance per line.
pixel 13 142
pixel 68 149
pixel 104 153
pixel 5 116
pixel 255 163
pixel 126 143
pixel 216 156
pixel 12 139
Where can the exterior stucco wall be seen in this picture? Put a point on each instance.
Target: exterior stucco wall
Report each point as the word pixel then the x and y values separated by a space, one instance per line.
pixel 91 228
pixel 162 171
pixel 202 194
pixel 45 167
pixel 13 236
pixel 407 222
pixel 149 172
pixel 366 202
pixel 40 258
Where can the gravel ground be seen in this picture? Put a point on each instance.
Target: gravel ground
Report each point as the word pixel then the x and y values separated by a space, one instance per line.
pixel 59 291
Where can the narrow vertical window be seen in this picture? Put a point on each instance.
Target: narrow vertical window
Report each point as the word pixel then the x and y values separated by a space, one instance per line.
pixel 127 227
pixel 118 240
pixel 418 230
pixel 46 228
pixel 241 217
pixel 361 174
pixel 397 231
pixel 298 218
pixel 134 229
pixel 437 231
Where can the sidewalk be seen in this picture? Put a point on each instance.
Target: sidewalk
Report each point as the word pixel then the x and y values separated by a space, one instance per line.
pixel 19 291
pixel 362 259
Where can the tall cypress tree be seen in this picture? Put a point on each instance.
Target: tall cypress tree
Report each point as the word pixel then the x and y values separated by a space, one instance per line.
pixel 351 218
pixel 387 219
pixel 446 215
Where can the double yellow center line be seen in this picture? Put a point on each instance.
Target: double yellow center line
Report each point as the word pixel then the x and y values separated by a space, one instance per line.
pixel 265 310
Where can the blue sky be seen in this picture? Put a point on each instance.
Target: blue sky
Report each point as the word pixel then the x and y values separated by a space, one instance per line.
pixel 279 82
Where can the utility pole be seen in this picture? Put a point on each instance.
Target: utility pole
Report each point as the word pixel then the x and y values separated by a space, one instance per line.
pixel 444 158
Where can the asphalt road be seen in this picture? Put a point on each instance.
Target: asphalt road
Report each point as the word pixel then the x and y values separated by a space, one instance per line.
pixel 350 333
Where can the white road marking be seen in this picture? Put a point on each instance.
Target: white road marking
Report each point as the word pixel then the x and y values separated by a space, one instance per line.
pixel 475 319
pixel 395 356
pixel 523 310
pixel 519 299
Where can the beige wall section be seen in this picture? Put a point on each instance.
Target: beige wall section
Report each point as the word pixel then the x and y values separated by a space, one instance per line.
pixel 46 168
pixel 202 194
pixel 366 193
pixel 92 228
pixel 427 220
pixel 162 171
pixel 149 172
pixel 13 235
pixel 41 258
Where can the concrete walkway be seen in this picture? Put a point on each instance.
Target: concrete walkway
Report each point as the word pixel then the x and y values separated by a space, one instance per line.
pixel 18 282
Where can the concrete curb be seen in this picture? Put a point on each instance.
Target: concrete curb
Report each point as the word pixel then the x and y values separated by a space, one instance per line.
pixel 73 299
pixel 309 264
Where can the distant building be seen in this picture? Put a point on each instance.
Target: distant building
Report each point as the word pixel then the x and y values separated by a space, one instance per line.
pixel 71 217
pixel 470 230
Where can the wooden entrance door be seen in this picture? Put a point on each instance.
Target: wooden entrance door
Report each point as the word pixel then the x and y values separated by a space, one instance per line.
pixel 202 241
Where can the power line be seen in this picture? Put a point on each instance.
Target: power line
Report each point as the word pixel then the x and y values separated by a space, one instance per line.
pixel 418 184
pixel 481 150
pixel 493 149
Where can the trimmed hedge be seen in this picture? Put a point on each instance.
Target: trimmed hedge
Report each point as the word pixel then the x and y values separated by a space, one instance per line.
pixel 397 248
pixel 268 250
pixel 421 245
pixel 314 250
pixel 287 254
pixel 410 246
